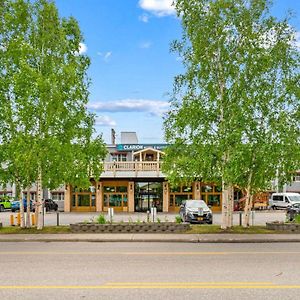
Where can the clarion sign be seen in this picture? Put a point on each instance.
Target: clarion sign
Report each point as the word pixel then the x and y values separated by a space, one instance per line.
pixel 136 147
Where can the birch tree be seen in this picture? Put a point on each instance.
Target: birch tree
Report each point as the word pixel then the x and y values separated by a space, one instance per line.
pixel 239 92
pixel 46 93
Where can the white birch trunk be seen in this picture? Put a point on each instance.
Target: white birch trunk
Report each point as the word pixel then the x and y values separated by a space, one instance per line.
pixel 230 206
pixel 246 221
pixel 22 219
pixel 224 206
pixel 28 225
pixel 39 201
pixel 248 202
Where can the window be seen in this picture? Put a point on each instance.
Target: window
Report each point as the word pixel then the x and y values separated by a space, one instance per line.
pixel 206 188
pixel 122 189
pixel 58 196
pixel 277 198
pixel 115 196
pixel 118 156
pixel 109 189
pixel 297 178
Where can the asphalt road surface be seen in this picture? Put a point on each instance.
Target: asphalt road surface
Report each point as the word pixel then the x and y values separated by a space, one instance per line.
pixel 149 271
pixel 259 217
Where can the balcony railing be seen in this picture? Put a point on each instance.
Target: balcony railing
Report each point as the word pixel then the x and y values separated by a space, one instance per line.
pixel 132 166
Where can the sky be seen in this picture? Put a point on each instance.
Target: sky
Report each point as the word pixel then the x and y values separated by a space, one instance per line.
pixel 132 69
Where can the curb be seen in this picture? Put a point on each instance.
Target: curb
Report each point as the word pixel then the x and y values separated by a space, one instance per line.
pixel 152 240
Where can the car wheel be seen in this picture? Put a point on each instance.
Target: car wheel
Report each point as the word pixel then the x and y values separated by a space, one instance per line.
pixel 13 210
pixel 1 208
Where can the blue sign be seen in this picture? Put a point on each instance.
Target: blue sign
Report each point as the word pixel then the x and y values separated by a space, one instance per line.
pixel 137 147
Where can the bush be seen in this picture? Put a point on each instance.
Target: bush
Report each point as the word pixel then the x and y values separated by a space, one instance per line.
pixel 297 219
pixel 178 219
pixel 101 219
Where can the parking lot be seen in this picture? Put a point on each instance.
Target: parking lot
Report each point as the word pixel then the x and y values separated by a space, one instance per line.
pixel 51 218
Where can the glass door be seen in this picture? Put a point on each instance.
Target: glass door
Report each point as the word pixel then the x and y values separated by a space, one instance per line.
pixel 147 195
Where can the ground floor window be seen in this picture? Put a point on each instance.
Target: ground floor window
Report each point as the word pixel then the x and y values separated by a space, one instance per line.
pixel 32 196
pixel 212 195
pixel 115 196
pixel 83 200
pixel 58 196
pixel 178 195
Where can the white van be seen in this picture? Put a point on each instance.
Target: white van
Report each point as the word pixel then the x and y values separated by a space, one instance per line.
pixel 283 200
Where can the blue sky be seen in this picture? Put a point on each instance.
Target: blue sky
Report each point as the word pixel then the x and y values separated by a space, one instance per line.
pixel 132 69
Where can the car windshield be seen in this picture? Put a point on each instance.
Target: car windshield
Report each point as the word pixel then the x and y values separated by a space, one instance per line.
pixel 195 204
pixel 295 198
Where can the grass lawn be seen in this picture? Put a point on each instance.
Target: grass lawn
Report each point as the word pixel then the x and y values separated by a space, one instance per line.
pixel 198 229
pixel 48 229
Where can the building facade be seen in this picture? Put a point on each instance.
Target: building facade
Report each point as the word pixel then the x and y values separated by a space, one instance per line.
pixel 132 181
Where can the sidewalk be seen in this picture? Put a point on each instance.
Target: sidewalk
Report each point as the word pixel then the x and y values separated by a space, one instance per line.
pixel 163 238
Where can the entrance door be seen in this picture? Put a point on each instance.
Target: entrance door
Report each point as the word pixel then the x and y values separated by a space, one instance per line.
pixel 147 195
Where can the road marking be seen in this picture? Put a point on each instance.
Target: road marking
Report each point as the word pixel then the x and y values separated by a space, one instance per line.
pixel 188 283
pixel 155 285
pixel 147 253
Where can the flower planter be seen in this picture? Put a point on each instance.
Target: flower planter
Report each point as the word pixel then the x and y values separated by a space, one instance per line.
pixel 289 227
pixel 164 227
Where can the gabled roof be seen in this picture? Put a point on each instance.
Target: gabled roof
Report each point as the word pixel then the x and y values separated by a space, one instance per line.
pixel 147 150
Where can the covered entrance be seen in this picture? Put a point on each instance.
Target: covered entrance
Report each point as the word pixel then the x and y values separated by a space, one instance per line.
pixel 147 195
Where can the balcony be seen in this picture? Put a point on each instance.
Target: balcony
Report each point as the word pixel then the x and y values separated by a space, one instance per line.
pixel 132 169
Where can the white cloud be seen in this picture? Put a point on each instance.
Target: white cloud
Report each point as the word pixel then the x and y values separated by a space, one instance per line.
pixel 144 18
pixel 105 121
pixel 153 107
pixel 82 48
pixel 105 55
pixel 145 45
pixel 159 8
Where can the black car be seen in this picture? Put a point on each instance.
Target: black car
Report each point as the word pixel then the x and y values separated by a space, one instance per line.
pixel 50 205
pixel 292 211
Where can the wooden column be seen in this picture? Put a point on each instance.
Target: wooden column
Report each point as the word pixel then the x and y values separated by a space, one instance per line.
pixel 130 196
pixel 196 190
pixel 99 196
pixel 166 196
pixel 67 201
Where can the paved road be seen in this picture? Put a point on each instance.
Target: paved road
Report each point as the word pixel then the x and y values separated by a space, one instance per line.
pixel 149 271
pixel 260 217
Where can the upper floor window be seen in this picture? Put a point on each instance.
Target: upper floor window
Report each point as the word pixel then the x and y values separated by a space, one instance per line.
pixel 118 156
pixel 297 178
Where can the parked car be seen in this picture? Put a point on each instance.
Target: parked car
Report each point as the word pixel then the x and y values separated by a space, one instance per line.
pixel 15 205
pixel 292 211
pixel 283 200
pixel 195 211
pixel 50 205
pixel 4 204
